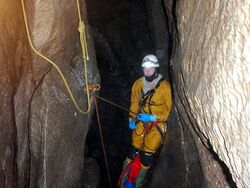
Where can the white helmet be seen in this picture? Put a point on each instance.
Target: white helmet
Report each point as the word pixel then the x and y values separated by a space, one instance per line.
pixel 150 61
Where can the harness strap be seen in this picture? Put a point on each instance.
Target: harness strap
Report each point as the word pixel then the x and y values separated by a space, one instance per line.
pixel 155 124
pixel 148 95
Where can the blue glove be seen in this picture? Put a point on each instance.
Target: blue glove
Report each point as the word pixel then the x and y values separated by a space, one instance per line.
pixel 131 124
pixel 129 184
pixel 146 117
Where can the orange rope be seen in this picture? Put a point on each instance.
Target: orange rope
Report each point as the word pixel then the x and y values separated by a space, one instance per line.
pixel 116 105
pixel 102 141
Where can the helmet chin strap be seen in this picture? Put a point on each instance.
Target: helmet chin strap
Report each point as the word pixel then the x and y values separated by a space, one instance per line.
pixel 152 77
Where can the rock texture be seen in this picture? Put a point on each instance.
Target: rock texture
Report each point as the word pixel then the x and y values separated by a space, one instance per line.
pixel 211 68
pixel 159 32
pixel 13 56
pixel 122 37
pixel 178 164
pixel 125 26
pixel 42 133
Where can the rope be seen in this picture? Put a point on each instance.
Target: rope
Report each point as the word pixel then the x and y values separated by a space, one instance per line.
pixel 144 133
pixel 100 130
pixel 116 105
pixel 83 41
pixel 102 141
pixel 97 88
pixel 145 129
pixel 82 31
pixel 55 66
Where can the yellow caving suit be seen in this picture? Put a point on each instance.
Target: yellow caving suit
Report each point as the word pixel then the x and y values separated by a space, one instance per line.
pixel 159 104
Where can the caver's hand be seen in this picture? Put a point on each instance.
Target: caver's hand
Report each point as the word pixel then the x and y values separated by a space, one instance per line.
pixel 131 124
pixel 146 117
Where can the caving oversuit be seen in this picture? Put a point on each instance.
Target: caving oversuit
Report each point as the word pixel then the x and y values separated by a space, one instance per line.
pixel 150 98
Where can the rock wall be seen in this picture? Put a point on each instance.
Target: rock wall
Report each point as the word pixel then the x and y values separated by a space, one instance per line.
pixel 125 27
pixel 42 142
pixel 178 164
pixel 12 53
pixel 159 32
pixel 211 75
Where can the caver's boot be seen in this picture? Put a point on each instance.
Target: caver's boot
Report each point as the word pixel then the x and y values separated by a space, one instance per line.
pixel 140 179
pixel 124 166
pixel 134 171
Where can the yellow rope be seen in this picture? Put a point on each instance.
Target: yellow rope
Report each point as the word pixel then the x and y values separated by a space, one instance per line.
pixel 81 29
pixel 84 50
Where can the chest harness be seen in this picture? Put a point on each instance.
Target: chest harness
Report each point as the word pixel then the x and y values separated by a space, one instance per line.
pixel 133 168
pixel 146 99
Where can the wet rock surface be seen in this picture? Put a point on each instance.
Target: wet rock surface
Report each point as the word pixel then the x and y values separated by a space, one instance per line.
pixel 177 165
pixel 211 73
pixel 43 135
pixel 13 55
pixel 43 139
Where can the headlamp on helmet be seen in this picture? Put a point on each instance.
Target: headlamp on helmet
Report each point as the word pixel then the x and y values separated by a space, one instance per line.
pixel 150 61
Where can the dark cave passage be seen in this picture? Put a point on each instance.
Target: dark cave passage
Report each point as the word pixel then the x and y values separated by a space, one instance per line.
pixel 124 32
pixel 52 53
pixel 122 37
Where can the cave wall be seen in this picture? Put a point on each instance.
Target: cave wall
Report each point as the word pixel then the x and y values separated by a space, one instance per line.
pixel 159 31
pixel 12 49
pixel 125 27
pixel 42 142
pixel 211 77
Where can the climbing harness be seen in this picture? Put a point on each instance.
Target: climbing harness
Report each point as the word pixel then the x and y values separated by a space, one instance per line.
pixel 89 87
pixel 93 88
pixel 82 32
pixel 97 87
pixel 146 98
pixel 129 171
pixel 99 124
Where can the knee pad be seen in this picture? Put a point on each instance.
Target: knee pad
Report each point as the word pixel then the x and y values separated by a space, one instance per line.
pixel 132 152
pixel 146 158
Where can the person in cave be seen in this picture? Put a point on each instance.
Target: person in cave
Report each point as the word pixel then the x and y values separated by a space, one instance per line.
pixel 151 103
